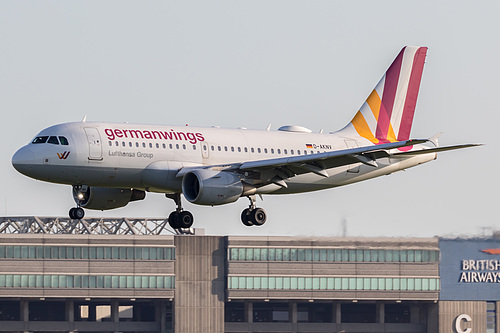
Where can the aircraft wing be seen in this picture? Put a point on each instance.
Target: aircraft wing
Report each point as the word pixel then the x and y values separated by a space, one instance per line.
pixel 366 155
pixel 286 167
pixel 436 150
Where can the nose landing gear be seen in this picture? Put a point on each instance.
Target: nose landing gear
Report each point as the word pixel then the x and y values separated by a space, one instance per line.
pixel 179 218
pixel 80 195
pixel 76 213
pixel 253 215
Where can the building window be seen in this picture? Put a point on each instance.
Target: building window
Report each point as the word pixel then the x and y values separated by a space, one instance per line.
pixel 314 312
pixel 336 255
pixel 332 283
pixel 85 281
pixel 397 313
pixel 234 312
pixel 271 312
pixel 358 313
pixel 491 313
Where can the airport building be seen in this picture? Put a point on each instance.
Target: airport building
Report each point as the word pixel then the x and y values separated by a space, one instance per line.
pixel 124 275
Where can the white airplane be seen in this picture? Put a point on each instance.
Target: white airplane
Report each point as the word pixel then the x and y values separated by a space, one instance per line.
pixel 111 164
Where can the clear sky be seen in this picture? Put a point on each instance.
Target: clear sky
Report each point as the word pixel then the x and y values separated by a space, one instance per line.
pixel 251 63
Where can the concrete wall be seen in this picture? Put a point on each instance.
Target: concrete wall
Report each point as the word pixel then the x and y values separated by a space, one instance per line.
pixel 200 284
pixel 450 310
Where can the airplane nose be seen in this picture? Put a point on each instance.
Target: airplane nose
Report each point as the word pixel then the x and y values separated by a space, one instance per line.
pixel 23 160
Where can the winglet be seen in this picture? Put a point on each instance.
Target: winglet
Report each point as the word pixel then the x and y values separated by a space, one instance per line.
pixel 435 139
pixel 84 119
pixel 268 128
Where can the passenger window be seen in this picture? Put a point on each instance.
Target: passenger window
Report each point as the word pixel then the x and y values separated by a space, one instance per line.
pixel 40 139
pixel 157 145
pixel 184 147
pixel 143 145
pixel 116 143
pixel 298 152
pixel 258 150
pixel 164 146
pixel 218 148
pixel 246 150
pixel 272 150
pixel 291 151
pixel 279 151
pixel 130 144
pixel 110 143
pixel 170 146
pixel 232 149
pixel 194 147
pixel 137 144
pixel 305 152
pixel 204 147
pixel 265 150
pixel 150 145
pixel 252 150
pixel 123 143
pixel 285 151
pixel 177 146
pixel 225 148
pixel 53 140
pixel 239 149
pixel 213 148
pixel 63 140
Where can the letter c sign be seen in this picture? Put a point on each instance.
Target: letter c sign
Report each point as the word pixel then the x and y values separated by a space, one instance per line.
pixel 458 323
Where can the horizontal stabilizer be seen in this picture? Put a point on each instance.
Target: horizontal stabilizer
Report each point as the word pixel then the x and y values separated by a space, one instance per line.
pixel 437 149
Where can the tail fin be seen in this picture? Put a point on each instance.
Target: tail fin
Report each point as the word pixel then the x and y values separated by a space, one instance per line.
pixel 387 114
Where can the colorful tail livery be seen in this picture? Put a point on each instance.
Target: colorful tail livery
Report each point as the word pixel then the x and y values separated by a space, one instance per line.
pixel 387 114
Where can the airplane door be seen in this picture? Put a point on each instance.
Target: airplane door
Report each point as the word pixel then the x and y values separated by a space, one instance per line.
pixel 204 150
pixel 352 168
pixel 94 140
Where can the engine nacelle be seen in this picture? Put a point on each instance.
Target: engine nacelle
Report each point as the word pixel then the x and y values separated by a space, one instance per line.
pixel 209 187
pixel 102 198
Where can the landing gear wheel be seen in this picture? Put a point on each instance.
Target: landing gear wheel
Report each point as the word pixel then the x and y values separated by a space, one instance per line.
pixel 76 213
pixel 245 217
pixel 173 220
pixel 185 219
pixel 258 216
pixel 179 218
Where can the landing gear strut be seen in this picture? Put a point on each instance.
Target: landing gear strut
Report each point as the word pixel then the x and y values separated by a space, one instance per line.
pixel 79 193
pixel 253 215
pixel 179 218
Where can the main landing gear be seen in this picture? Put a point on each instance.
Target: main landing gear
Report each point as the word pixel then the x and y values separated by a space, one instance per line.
pixel 179 218
pixel 79 192
pixel 253 215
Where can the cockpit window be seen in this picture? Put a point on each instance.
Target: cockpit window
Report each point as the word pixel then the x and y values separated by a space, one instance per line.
pixel 40 139
pixel 63 140
pixel 53 140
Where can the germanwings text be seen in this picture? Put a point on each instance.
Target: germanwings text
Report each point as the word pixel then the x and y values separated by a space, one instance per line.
pixel 193 138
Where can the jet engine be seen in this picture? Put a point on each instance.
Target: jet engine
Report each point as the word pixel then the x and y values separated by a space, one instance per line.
pixel 210 187
pixel 102 198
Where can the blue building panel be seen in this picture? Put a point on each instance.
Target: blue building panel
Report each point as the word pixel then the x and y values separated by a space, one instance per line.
pixel 470 269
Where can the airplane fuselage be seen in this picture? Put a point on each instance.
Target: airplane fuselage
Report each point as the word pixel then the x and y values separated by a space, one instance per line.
pixel 148 157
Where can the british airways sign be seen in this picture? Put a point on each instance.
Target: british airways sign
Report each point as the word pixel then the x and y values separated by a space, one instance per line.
pixel 470 269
